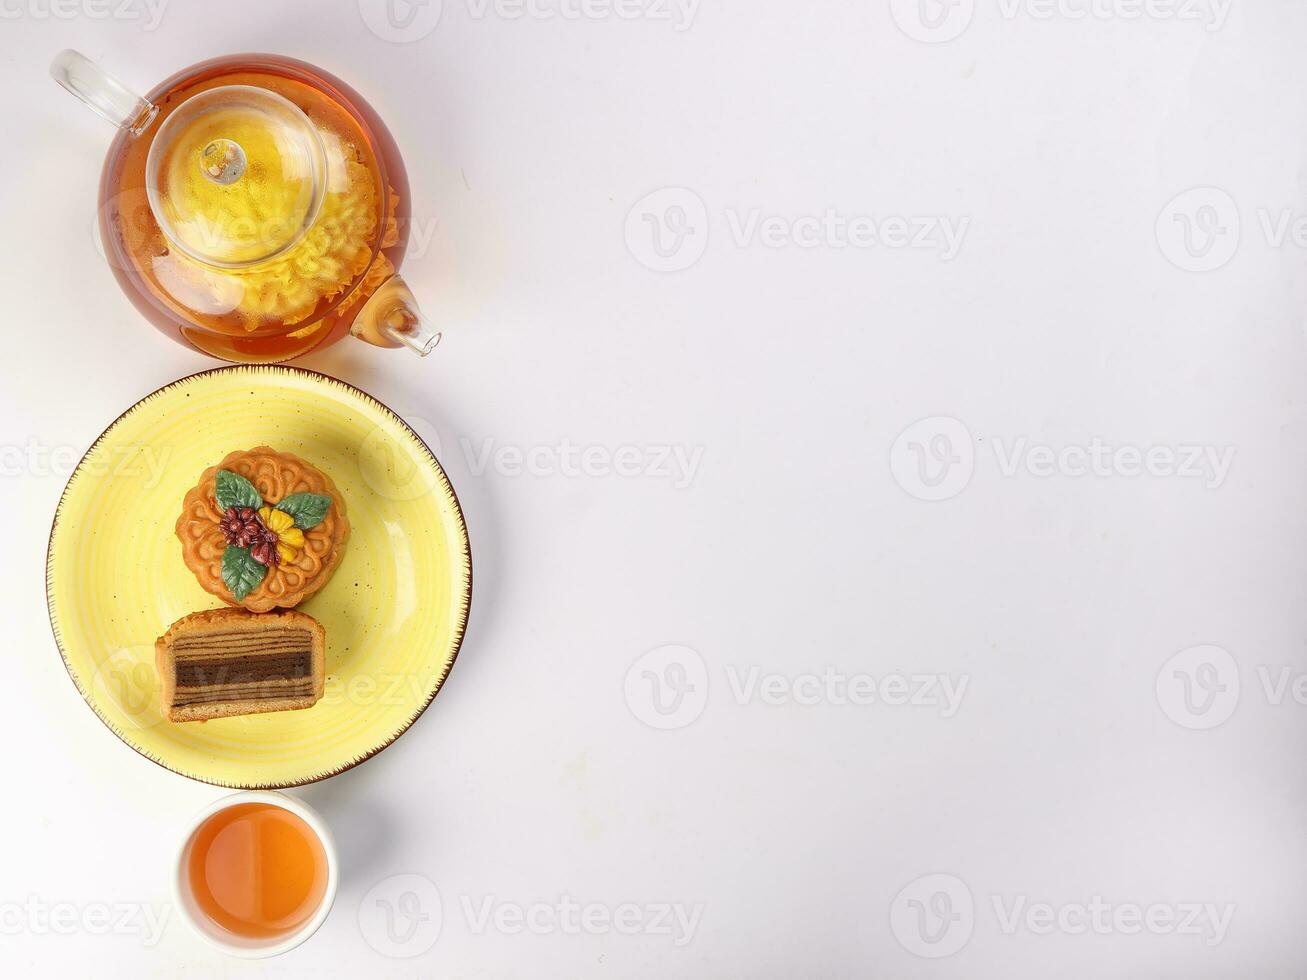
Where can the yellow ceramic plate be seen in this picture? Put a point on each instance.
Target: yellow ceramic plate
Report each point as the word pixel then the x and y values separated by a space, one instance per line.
pixel 394 611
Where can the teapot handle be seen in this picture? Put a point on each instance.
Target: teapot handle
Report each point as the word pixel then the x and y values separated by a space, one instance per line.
pixel 102 92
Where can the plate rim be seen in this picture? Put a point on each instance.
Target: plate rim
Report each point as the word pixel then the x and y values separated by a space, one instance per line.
pixel 464 610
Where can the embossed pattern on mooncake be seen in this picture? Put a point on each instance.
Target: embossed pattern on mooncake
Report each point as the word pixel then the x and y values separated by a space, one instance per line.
pixel 297 572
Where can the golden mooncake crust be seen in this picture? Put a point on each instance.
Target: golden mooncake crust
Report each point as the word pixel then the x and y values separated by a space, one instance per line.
pixel 276 475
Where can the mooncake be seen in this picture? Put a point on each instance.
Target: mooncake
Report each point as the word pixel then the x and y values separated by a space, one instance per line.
pixel 263 529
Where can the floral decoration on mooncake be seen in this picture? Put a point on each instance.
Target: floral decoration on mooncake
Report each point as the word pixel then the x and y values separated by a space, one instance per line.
pixel 263 529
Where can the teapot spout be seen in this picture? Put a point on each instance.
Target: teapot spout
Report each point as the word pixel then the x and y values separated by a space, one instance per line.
pixel 110 98
pixel 391 318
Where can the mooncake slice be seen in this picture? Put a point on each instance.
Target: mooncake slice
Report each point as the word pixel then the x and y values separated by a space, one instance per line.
pixel 225 662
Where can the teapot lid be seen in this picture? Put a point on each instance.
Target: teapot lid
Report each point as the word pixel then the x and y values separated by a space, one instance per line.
pixel 235 175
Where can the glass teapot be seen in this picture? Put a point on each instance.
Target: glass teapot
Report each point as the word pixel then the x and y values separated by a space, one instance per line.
pixel 254 207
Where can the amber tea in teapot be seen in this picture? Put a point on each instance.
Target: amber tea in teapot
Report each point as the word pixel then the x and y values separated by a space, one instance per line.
pixel 254 207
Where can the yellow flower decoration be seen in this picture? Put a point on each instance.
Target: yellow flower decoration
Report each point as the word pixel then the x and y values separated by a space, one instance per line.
pixel 289 538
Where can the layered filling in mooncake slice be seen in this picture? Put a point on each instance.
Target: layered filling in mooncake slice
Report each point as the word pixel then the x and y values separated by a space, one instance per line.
pixel 228 662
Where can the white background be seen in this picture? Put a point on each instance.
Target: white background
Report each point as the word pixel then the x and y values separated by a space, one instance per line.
pixel 1069 314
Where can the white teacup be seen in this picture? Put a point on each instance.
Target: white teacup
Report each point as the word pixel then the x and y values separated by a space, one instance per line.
pixel 214 934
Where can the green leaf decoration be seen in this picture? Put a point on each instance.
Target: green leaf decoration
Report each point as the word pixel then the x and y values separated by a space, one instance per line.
pixel 308 509
pixel 241 573
pixel 233 490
